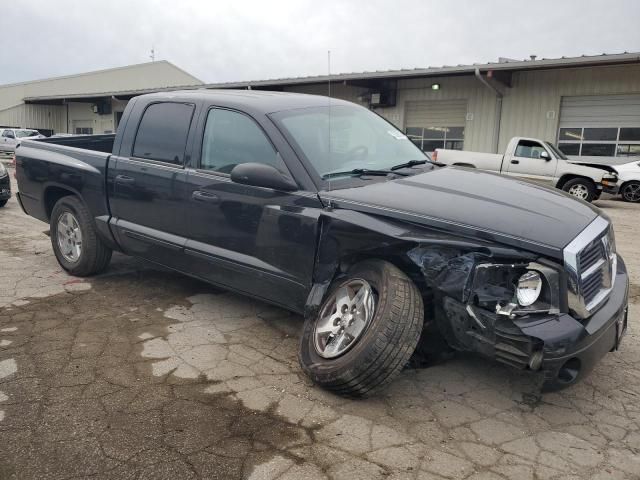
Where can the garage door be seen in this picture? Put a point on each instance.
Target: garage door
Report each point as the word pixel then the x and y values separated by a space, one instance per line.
pixel 436 124
pixel 600 125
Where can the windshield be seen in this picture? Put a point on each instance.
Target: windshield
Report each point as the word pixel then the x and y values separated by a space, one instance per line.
pixel 556 151
pixel 26 133
pixel 343 138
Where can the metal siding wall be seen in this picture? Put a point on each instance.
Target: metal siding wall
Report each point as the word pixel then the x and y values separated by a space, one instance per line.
pixel 481 106
pixel 532 106
pixel 481 103
pixel 35 116
pixel 338 90
pixel 438 113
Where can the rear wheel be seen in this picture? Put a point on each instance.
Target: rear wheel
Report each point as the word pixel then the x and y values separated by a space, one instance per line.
pixel 75 243
pixel 630 192
pixel 581 188
pixel 366 330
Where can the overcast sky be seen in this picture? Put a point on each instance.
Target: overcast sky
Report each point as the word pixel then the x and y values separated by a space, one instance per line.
pixel 249 40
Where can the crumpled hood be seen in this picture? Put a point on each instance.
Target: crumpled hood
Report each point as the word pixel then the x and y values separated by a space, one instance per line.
pixel 476 204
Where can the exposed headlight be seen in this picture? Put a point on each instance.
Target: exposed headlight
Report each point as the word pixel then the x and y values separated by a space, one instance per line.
pixel 529 288
pixel 3 170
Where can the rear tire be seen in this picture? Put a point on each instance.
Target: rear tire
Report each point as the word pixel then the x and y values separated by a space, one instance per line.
pixel 382 348
pixel 630 192
pixel 78 248
pixel 581 188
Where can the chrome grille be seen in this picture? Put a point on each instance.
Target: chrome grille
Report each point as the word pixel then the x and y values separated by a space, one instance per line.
pixel 590 261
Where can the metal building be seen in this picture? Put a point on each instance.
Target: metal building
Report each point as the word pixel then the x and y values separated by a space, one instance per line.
pixel 589 105
pixel 80 103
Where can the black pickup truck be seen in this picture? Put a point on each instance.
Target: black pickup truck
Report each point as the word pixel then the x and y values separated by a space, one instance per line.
pixel 322 207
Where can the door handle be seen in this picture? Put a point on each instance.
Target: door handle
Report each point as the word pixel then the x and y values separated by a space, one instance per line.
pixel 200 196
pixel 515 162
pixel 123 179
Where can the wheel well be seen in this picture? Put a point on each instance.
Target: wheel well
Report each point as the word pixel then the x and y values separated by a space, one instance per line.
pixel 51 197
pixel 563 180
pixel 628 182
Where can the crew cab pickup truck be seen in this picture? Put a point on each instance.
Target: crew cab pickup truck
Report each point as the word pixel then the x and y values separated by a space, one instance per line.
pixel 538 161
pixel 323 208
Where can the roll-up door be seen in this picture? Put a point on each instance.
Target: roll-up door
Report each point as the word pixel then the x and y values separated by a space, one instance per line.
pixel 600 125
pixel 432 124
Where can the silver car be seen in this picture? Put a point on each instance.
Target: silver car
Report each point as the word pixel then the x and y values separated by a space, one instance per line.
pixel 11 137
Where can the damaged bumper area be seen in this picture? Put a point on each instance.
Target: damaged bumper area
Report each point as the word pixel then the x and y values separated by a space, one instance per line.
pixel 477 309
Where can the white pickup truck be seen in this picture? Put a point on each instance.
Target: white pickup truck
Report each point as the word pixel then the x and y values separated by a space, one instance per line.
pixel 538 161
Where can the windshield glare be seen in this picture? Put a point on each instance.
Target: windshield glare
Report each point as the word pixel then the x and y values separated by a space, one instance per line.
pixel 26 133
pixel 342 138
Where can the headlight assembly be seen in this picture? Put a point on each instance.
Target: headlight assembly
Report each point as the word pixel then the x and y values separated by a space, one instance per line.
pixel 516 289
pixel 528 288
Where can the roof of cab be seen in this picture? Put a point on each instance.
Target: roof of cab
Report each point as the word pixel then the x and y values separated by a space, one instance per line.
pixel 262 101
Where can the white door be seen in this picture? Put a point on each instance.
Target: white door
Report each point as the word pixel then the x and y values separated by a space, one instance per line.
pixel 432 124
pixel 529 162
pixel 600 126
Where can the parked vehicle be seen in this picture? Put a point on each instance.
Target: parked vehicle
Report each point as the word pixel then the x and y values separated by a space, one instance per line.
pixel 5 185
pixel 629 179
pixel 323 208
pixel 538 161
pixel 10 138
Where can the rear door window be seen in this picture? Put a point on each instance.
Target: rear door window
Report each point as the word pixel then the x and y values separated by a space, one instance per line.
pixel 162 133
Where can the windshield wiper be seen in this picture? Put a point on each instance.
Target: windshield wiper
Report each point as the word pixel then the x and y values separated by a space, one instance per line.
pixel 410 163
pixel 362 171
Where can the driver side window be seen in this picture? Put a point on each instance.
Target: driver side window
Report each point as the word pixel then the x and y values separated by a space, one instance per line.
pixel 231 138
pixel 529 149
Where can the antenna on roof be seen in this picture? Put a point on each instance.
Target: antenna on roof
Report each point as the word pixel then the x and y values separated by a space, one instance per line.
pixel 153 54
pixel 329 71
pixel 329 116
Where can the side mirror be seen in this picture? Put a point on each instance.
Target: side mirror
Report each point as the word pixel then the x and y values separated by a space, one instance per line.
pixel 545 156
pixel 262 175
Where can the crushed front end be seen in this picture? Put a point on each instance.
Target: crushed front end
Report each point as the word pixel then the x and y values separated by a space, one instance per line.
pixel 559 318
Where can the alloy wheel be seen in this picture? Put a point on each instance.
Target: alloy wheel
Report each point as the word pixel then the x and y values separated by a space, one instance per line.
pixel 344 318
pixel 631 192
pixel 579 190
pixel 69 237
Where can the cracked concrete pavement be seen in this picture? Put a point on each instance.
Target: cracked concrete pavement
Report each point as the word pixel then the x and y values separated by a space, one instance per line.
pixel 143 373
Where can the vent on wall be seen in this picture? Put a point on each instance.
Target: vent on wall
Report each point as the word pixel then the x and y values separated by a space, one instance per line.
pixel 383 98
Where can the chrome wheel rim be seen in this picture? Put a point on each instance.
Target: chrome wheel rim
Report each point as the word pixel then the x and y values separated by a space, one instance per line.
pixel 69 237
pixel 631 192
pixel 344 318
pixel 579 190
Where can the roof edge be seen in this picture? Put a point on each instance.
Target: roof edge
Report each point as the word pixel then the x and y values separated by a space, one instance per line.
pixel 93 72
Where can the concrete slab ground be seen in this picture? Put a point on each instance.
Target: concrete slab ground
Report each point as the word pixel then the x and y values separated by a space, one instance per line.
pixel 142 373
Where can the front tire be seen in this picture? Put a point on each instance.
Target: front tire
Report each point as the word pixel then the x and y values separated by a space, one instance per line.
pixel 365 332
pixel 581 188
pixel 75 243
pixel 630 192
pixel 3 203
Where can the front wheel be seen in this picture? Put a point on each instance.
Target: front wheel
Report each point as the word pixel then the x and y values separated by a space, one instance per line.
pixel 581 188
pixel 75 243
pixel 631 192
pixel 366 330
pixel 3 203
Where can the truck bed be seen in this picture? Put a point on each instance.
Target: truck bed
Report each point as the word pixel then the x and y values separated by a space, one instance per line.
pixel 77 164
pixel 97 143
